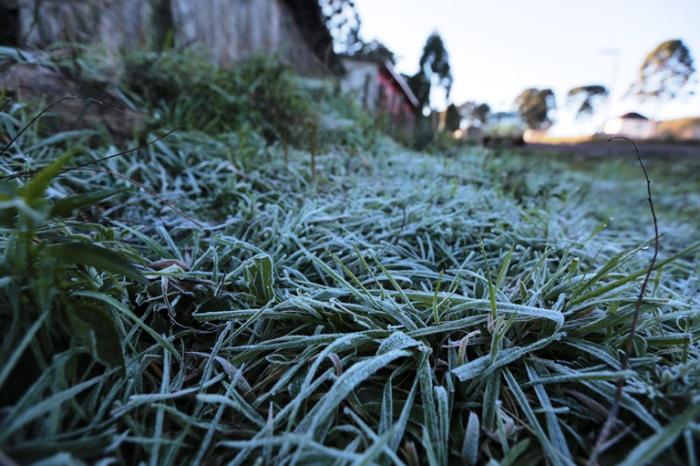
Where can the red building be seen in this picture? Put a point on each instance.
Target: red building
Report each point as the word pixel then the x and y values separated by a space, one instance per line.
pixel 380 89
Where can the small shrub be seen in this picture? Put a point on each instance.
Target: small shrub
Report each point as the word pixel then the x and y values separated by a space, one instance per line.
pixel 45 272
pixel 188 92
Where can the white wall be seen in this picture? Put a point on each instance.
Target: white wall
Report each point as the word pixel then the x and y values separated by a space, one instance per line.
pixel 631 127
pixel 362 80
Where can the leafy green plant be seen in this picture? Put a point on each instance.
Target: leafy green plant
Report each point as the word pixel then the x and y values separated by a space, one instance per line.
pixel 189 92
pixel 45 266
pixel 259 275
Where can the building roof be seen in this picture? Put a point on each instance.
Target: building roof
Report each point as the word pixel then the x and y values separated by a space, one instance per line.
pixel 633 116
pixel 402 84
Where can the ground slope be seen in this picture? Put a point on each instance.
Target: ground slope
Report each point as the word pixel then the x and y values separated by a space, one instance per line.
pixel 207 299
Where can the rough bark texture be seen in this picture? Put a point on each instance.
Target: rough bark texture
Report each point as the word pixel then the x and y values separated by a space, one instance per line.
pixel 227 30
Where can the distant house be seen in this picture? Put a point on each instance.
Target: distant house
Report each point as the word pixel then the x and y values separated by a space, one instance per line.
pixel 379 88
pixel 227 30
pixel 632 125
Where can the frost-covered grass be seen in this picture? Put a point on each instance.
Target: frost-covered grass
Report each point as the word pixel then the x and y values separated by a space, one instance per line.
pixel 398 308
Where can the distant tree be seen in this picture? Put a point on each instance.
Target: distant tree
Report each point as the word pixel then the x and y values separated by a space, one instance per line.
pixel 535 107
pixel 375 50
pixel 434 72
pixel 475 112
pixel 453 118
pixel 343 22
pixel 587 98
pixel 420 85
pixel 666 72
pixel 481 112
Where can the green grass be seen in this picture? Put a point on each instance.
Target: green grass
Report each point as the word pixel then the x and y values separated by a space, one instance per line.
pixel 398 308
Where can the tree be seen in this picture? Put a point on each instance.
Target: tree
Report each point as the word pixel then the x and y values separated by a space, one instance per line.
pixel 535 106
pixel 587 98
pixel 481 112
pixel 375 50
pixel 434 72
pixel 420 85
pixel 343 22
pixel 475 112
pixel 666 72
pixel 453 118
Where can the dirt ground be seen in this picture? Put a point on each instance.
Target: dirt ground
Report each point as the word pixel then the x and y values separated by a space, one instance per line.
pixel 620 148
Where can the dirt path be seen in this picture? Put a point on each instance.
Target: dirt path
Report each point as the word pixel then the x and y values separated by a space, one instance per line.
pixel 620 148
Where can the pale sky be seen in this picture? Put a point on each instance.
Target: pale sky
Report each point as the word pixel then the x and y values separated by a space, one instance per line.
pixel 499 47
